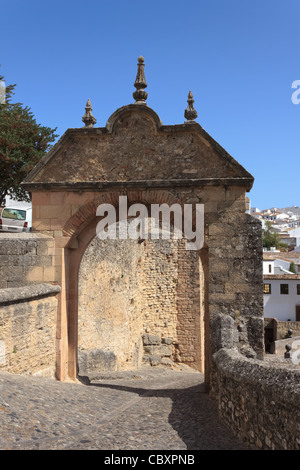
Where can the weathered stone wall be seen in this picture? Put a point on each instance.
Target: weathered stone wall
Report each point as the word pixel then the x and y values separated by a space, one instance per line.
pixel 259 402
pixel 25 258
pixel 171 303
pixel 236 279
pixel 138 302
pixel 28 329
pixel 110 321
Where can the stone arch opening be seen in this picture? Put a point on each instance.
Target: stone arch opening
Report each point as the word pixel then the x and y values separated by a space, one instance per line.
pixel 136 155
pixel 152 312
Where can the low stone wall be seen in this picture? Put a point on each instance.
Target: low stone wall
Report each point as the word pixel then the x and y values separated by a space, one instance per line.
pixel 281 328
pixel 28 329
pixel 284 326
pixel 279 347
pixel 25 258
pixel 260 402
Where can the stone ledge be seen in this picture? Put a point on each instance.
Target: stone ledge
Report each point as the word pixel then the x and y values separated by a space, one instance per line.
pixel 24 236
pixel 142 184
pixel 278 347
pixel 20 294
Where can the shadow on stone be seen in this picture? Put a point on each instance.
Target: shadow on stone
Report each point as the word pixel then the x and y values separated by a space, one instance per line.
pixel 194 416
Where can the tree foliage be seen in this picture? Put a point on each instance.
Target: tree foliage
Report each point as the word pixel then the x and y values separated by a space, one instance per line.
pixel 271 238
pixel 292 267
pixel 23 142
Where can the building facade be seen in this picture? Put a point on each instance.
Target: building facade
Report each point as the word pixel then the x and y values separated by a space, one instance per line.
pixel 282 296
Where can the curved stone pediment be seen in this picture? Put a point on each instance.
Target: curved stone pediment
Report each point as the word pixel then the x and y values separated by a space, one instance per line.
pixel 134 148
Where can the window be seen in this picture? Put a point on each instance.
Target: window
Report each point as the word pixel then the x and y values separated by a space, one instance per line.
pixel 298 289
pixel 14 214
pixel 284 288
pixel 270 268
pixel 267 288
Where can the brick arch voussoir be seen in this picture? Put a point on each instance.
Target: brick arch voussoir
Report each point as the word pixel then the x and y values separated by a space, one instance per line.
pixel 85 214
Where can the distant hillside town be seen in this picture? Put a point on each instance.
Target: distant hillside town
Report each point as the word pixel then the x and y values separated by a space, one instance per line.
pixel 281 265
pixel 286 222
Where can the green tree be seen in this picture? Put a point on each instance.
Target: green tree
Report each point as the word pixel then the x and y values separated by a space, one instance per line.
pixel 23 142
pixel 271 238
pixel 292 267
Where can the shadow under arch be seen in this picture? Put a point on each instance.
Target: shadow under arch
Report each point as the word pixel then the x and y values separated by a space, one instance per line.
pixel 81 236
pixel 194 415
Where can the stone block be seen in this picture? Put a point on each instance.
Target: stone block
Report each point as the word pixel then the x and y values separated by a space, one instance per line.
pixel 93 362
pixel 166 361
pixel 35 274
pixel 155 360
pixel 167 340
pixel 43 247
pixel 40 197
pixel 149 339
pixel 41 224
pixel 55 211
pixel 165 350
pixel 57 224
pixel 49 274
pixel 57 198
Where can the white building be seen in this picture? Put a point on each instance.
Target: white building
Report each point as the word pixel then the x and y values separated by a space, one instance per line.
pixel 276 266
pixel 281 286
pixel 282 296
pixel 290 236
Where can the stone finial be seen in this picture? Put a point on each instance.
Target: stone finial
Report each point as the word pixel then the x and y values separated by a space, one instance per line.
pixel 287 353
pixel 88 118
pixel 190 113
pixel 140 84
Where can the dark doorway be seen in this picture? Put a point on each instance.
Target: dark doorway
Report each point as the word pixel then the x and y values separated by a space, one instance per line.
pixel 270 334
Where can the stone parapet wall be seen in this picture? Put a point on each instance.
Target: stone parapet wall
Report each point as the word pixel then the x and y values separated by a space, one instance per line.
pixel 284 326
pixel 26 258
pixel 279 347
pixel 28 329
pixel 258 401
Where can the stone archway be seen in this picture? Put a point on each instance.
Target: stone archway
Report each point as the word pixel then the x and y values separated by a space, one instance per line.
pixel 161 296
pixel 136 155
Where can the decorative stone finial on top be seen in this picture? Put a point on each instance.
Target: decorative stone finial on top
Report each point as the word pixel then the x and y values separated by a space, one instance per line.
pixel 140 84
pixel 190 113
pixel 88 118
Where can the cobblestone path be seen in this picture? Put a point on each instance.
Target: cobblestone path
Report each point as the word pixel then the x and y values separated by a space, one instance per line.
pixel 142 410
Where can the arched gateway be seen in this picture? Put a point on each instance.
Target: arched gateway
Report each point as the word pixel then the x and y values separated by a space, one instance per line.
pixel 127 301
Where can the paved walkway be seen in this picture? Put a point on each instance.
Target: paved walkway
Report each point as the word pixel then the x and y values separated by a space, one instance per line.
pixel 152 409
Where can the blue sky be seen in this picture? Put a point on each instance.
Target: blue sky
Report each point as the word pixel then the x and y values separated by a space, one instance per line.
pixel 239 58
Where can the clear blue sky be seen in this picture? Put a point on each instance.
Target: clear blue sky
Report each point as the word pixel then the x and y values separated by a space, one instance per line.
pixel 239 58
